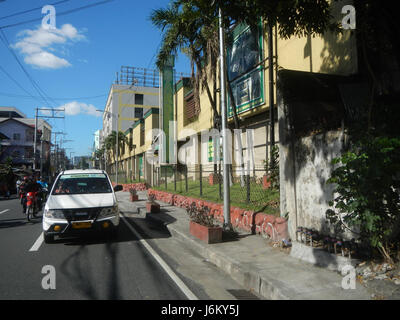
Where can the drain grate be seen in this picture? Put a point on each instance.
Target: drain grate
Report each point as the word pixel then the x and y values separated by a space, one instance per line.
pixel 242 294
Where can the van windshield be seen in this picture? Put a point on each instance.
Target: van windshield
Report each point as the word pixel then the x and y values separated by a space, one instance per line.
pixel 82 184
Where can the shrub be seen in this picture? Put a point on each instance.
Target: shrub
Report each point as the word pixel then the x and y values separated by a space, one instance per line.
pixel 367 185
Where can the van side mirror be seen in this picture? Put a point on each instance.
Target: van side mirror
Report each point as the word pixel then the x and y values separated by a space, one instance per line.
pixel 118 187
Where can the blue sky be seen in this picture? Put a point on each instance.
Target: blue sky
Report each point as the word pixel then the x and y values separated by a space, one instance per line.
pixel 76 63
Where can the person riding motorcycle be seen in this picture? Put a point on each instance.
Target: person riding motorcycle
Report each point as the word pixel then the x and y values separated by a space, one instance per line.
pixel 43 193
pixel 32 186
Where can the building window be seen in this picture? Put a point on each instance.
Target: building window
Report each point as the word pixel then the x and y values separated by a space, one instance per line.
pixel 17 136
pixel 138 113
pixel 191 110
pixel 138 98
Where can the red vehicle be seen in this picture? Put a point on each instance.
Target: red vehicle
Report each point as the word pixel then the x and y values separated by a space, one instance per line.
pixel 31 205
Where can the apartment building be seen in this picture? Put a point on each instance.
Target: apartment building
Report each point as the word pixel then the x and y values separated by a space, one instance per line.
pixel 20 133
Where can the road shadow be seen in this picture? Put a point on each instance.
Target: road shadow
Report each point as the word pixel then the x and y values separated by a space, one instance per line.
pixel 18 222
pixel 147 228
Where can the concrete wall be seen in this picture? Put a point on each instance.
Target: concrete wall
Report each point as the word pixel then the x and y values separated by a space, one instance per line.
pixel 305 167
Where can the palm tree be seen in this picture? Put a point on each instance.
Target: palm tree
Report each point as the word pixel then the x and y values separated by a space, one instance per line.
pixel 194 33
pixel 110 143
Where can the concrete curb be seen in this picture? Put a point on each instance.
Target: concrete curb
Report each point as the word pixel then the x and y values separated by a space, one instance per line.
pixel 251 280
pixel 284 279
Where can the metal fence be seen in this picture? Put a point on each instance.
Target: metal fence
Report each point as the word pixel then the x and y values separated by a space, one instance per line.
pixel 248 188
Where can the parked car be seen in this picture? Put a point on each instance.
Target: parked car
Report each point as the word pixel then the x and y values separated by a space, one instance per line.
pixel 81 201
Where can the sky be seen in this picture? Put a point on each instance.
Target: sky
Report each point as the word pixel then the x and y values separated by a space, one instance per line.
pixel 74 64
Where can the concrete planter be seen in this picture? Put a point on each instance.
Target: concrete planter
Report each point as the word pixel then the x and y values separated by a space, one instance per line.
pixel 134 197
pixel 206 234
pixel 152 207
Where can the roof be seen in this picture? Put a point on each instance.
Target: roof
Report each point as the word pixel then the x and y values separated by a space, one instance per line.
pixel 3 136
pixel 12 110
pixel 78 171
pixel 28 122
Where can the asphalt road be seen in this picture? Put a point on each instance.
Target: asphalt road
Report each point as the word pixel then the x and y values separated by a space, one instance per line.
pixel 87 268
pixel 93 267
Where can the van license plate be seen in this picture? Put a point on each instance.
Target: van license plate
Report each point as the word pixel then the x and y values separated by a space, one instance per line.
pixel 81 225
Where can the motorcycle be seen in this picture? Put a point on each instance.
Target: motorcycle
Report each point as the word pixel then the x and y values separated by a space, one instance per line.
pixel 22 195
pixel 32 206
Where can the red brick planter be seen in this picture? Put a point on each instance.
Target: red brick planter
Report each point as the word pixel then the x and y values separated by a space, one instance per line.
pixel 261 223
pixel 206 234
pixel 152 207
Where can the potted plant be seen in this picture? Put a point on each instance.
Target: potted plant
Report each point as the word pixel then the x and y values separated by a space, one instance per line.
pixel 134 195
pixel 151 205
pixel 202 224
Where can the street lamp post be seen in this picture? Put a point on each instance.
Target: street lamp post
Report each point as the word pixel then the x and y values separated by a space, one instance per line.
pixel 227 217
pixel 116 145
pixel 70 156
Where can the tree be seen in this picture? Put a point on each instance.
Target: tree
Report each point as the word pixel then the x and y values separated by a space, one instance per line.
pixel 111 141
pixel 192 31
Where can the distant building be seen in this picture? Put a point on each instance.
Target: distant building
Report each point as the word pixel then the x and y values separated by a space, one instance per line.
pixel 20 132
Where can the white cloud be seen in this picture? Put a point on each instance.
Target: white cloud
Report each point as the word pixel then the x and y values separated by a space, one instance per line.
pixel 74 108
pixel 46 59
pixel 36 44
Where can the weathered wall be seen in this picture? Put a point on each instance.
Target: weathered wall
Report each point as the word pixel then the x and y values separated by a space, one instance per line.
pixel 305 167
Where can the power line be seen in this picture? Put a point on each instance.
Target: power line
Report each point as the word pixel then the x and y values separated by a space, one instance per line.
pixel 19 85
pixel 41 93
pixel 14 95
pixel 58 14
pixel 30 10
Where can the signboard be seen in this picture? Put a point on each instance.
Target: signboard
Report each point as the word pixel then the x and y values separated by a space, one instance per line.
pixel 245 75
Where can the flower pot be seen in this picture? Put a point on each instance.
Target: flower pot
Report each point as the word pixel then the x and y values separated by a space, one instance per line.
pixel 206 234
pixel 152 207
pixel 134 197
pixel 266 182
pixel 214 179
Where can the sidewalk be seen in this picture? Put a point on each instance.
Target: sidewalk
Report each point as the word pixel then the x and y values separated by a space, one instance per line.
pixel 251 261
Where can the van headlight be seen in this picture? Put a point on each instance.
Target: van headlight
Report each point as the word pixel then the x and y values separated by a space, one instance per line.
pixel 109 211
pixel 54 214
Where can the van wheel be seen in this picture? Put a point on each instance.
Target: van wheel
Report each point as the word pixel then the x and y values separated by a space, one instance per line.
pixel 48 238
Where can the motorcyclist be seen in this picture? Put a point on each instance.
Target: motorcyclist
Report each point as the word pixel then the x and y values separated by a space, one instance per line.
pixel 44 189
pixel 33 186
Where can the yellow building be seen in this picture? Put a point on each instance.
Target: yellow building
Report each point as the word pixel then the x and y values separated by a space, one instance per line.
pixel 248 77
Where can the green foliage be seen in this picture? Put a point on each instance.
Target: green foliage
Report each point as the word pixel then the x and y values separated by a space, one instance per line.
pixel 367 183
pixel 201 215
pixel 272 167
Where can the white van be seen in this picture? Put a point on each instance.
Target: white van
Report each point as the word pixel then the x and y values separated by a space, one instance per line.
pixel 81 201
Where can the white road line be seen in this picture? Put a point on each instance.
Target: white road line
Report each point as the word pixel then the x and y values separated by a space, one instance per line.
pixel 189 294
pixel 37 243
pixel 4 211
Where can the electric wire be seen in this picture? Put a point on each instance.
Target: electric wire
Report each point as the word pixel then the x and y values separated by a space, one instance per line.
pixel 58 14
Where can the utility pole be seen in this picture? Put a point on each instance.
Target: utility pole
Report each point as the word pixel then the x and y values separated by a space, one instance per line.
pixel 225 147
pixel 56 148
pixel 35 139
pixel 271 93
pixel 35 133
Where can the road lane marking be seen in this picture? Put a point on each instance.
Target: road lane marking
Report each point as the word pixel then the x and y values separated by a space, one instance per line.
pixel 37 243
pixel 181 285
pixel 4 211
